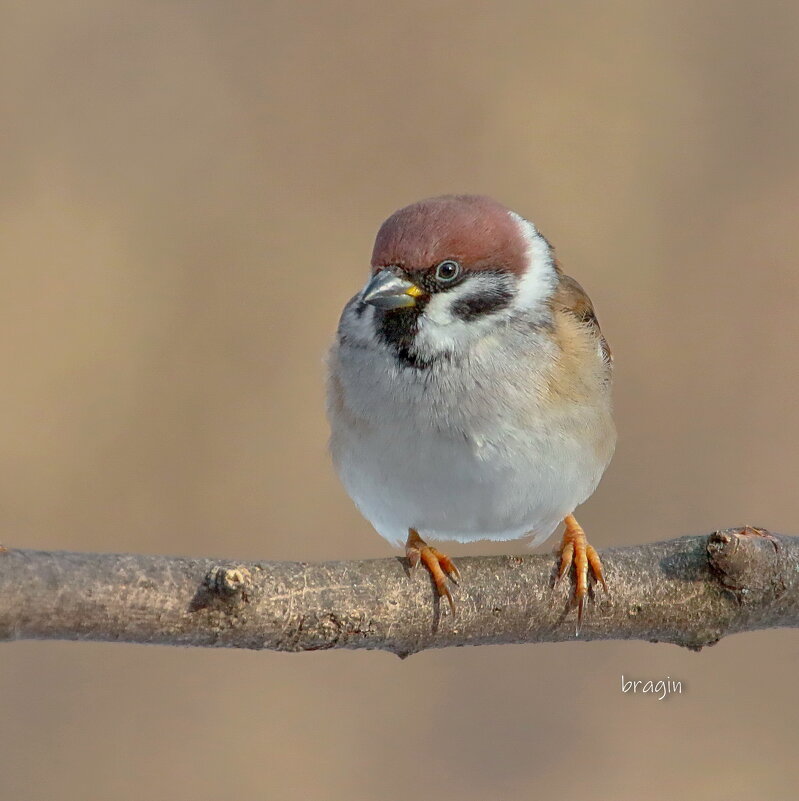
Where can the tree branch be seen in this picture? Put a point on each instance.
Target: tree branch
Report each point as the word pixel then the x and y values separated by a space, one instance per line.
pixel 689 591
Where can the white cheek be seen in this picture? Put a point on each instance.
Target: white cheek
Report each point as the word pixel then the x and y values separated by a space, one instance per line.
pixel 540 279
pixel 439 329
pixel 442 330
pixel 359 327
pixel 439 309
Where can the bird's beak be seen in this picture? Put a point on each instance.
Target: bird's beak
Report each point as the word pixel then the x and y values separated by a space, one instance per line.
pixel 389 291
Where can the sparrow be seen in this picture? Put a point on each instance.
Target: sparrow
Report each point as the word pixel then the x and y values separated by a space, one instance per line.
pixel 469 388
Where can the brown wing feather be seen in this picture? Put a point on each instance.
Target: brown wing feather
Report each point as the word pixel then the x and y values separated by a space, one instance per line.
pixel 572 298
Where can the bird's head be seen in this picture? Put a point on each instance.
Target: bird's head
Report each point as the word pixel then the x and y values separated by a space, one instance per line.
pixel 448 270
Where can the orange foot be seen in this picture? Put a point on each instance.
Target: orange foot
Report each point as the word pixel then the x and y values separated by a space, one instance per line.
pixel 575 548
pixel 439 565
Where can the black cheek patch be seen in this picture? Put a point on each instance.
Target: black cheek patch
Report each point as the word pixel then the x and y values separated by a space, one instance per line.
pixel 472 306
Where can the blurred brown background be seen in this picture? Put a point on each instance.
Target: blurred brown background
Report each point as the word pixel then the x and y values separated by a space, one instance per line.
pixel 189 194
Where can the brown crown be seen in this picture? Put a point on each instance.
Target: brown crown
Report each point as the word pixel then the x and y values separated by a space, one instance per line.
pixel 474 230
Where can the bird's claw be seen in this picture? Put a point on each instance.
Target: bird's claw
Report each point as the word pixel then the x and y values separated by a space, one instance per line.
pixel 438 564
pixel 576 550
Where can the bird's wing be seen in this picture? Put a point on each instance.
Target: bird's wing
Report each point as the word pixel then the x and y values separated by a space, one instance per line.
pixel 572 298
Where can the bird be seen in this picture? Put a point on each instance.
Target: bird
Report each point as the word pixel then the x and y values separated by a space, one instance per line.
pixel 469 389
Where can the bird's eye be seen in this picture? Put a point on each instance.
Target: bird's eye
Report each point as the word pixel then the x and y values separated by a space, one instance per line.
pixel 448 271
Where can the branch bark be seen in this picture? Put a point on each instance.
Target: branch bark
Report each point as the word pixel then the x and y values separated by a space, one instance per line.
pixel 690 591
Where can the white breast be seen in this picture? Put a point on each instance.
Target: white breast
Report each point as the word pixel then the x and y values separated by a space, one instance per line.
pixel 461 452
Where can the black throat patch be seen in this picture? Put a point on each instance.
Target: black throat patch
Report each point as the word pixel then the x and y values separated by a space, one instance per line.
pixel 397 328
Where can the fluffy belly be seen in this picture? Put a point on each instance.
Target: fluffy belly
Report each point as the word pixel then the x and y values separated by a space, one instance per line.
pixel 465 490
